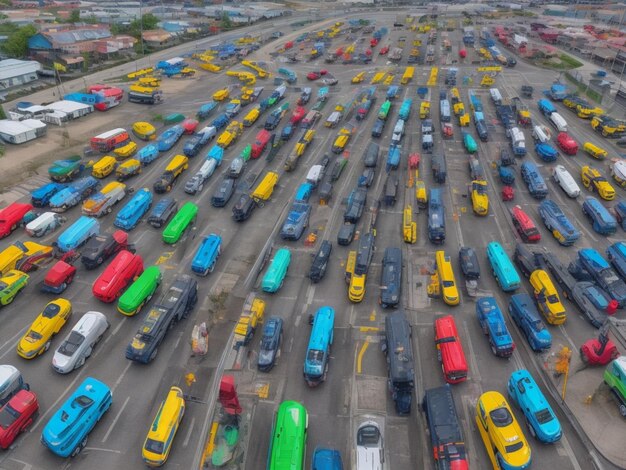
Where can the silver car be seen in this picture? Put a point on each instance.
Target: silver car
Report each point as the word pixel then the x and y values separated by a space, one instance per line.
pixel 79 344
pixel 370 452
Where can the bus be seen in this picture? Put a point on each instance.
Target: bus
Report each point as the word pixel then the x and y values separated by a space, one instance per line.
pixel 397 346
pixel 436 217
pixel 140 292
pixel 384 110
pixel 185 217
pixel 449 291
pixel 109 140
pixel 502 267
pixel 288 442
pixel 275 275
pixel 318 351
pixel 450 350
pixel 158 443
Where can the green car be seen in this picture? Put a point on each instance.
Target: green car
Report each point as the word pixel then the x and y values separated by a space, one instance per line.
pixel 140 292
pixel 66 170
pixel 185 217
pixel 11 284
pixel 174 118
pixel 615 378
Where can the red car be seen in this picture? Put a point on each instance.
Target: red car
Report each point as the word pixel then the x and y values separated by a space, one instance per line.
pixel 567 143
pixel 373 42
pixel 414 161
pixel 297 115
pixel 11 216
pixel 262 138
pixel 384 50
pixel 316 75
pixel 446 129
pixel 123 270
pixel 16 416
pixel 462 53
pixel 525 225
pixel 189 125
pixel 61 274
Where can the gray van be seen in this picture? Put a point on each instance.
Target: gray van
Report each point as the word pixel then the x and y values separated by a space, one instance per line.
pixel 346 234
pixel 223 193
pixel 364 254
pixel 11 382
pixel 438 166
pixel 370 157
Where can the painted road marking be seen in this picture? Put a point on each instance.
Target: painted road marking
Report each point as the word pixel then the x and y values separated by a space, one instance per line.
pixel 262 390
pixel 117 328
pixel 119 379
pixel 12 340
pixel 188 436
pixel 366 329
pixel 164 257
pixel 360 356
pixel 53 407
pixel 117 416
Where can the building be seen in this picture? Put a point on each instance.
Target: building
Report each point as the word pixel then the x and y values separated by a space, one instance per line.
pixel 157 38
pixel 70 41
pixel 15 72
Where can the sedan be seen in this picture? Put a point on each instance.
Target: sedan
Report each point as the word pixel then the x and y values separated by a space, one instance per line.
pixel 270 343
pixel 11 284
pixel 566 181
pixel 48 323
pixel 330 81
pixel 369 445
pixel 79 344
pixel 16 416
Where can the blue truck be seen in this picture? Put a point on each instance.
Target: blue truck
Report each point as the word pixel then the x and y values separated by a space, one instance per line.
pixel 41 196
pixel 493 325
pixel 546 107
pixel 206 256
pixel 128 217
pixel 74 194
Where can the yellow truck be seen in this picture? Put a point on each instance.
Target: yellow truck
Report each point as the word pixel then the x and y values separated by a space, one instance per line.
pixel 103 167
pixel 221 95
pixel 251 317
pixel 342 140
pixel 298 150
pixel 262 73
pixel 356 283
pixel 389 79
pixel 409 228
pixel 252 116
pixel 265 188
pixel 210 67
pixel 408 75
pixel 230 135
pixel 378 77
pixel 358 78
pixel 424 109
pixel 153 82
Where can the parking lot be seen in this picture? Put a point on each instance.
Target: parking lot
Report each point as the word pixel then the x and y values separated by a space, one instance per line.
pixel 356 384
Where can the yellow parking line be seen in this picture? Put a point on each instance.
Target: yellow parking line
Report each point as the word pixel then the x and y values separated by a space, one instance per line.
pixel 365 329
pixel 360 356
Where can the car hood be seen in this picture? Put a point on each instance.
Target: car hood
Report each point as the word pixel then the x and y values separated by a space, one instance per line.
pixel 60 361
pixel 266 356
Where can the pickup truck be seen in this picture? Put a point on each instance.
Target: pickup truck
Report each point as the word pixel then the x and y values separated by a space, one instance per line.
pixel 74 193
pixel 103 201
pixel 342 139
pixel 230 135
pixel 275 117
pixel 196 143
pixel 175 167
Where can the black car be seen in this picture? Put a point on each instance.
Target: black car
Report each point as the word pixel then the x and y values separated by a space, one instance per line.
pixel 367 178
pixel 527 261
pixel 320 262
pixel 469 263
pixel 346 234
pixel 356 205
pixel 391 278
pixel 377 129
pixel 370 157
pixel 270 343
pixel 223 193
pixel 101 247
pixel 175 304
pixel 165 182
pixel 162 212
pixel 243 208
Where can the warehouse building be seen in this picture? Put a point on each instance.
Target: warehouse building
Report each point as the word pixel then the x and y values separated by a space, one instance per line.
pixel 15 72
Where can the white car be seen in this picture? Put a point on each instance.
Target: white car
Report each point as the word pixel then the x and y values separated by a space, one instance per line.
pixel 46 223
pixel 329 81
pixel 370 451
pixel 567 182
pixel 79 344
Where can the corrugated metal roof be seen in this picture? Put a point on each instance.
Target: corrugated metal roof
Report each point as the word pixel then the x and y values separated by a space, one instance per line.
pixel 68 106
pixel 77 35
pixel 10 68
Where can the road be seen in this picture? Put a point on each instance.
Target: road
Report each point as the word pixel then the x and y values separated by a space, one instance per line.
pixel 356 383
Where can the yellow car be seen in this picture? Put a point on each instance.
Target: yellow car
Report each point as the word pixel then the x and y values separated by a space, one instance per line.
pixel 221 95
pixel 480 199
pixel 595 151
pixel 342 140
pixel 104 167
pixel 356 291
pixel 126 151
pixel 421 194
pixel 502 435
pixel 358 78
pixel 449 290
pixel 144 130
pixel 25 256
pixel 547 297
pixel 594 181
pixel 48 323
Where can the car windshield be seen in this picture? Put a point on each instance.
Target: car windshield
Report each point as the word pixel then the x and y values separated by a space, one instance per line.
pixel 514 447
pixel 501 417
pixel 368 436
pixel 3 285
pixel 543 416
pixel 315 356
pixel 69 346
pixel 50 311
pixel 33 336
pixel 553 299
pixel 538 325
pixel 153 446
pixel 8 416
pixel 82 402
pixel 448 284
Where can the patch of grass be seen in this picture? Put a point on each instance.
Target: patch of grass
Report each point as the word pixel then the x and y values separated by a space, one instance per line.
pixel 158 118
pixel 2 150
pixel 570 61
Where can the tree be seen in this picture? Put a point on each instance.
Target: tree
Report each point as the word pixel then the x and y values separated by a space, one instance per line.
pixel 74 16
pixel 149 21
pixel 226 22
pixel 16 44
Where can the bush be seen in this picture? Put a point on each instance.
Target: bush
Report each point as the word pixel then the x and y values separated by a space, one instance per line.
pixel 570 61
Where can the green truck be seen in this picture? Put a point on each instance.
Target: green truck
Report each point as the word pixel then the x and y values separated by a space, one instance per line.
pixel 615 378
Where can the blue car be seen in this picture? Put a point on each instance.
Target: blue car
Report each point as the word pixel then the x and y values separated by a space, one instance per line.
pixel 542 422
pixel 296 222
pixel 169 138
pixel 592 301
pixel 205 258
pixel 270 343
pixel 326 459
pixel 620 213
pixel 40 197
pixel 393 158
pixel 533 179
pixel 601 219
pixel 148 154
pixel 78 233
pixel 74 193
pixel 546 152
pixel 287 132
pixel 557 223
pixel 493 325
pixel 197 142
pixel 304 192
pixel 205 110
pixel 525 315
pixel 603 274
pixel 616 253
pixel 128 217
pixel 67 431
pixel 220 122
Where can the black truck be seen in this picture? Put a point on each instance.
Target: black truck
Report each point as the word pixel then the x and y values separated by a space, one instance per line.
pixel 399 351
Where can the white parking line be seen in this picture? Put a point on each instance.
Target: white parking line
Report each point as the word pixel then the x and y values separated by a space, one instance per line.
pixel 11 341
pixel 117 328
pixel 54 405
pixel 117 416
pixel 119 379
pixel 188 436
pixel 570 453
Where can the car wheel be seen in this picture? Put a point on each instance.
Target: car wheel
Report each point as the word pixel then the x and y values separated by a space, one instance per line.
pixel 64 207
pixel 46 347
pixel 531 430
pixel 153 355
pixel 100 260
pixel 493 349
pixel 80 363
pixel 169 188
pixel 622 410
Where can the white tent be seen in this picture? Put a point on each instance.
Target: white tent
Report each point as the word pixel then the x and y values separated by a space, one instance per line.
pixel 18 132
pixel 73 109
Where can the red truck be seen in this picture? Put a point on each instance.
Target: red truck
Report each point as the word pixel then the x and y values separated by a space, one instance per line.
pixel 123 270
pixel 297 115
pixel 11 217
pixel 260 142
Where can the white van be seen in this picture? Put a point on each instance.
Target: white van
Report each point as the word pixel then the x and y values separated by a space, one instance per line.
pixel 398 132
pixel 495 95
pixel 11 382
pixel 333 119
pixel 370 449
pixel 45 223
pixel 208 133
pixel 540 134
pixel 315 174
pixel 566 181
pixel 558 122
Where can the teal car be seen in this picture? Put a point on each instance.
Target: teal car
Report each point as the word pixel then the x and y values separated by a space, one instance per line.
pixel 11 284
pixel 174 118
pixel 66 170
pixel 469 142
